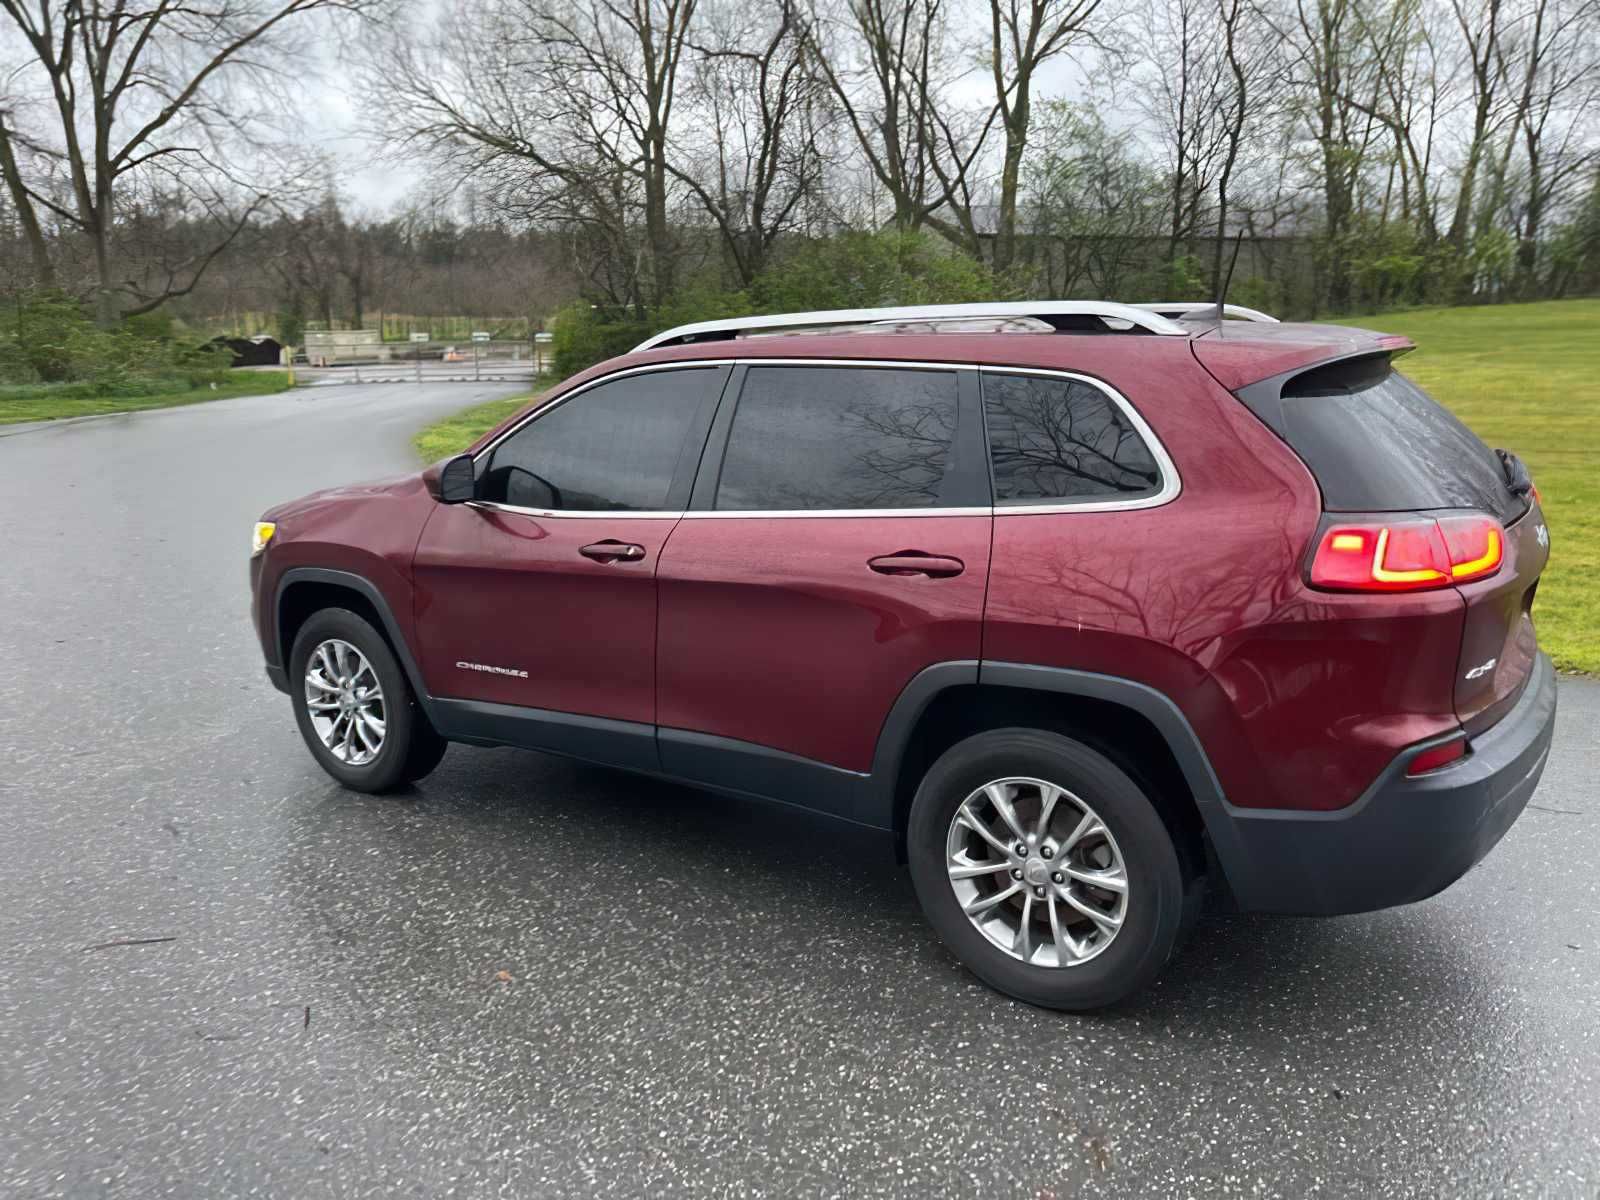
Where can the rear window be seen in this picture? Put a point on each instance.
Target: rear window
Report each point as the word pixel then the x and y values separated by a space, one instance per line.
pixel 838 438
pixel 1377 443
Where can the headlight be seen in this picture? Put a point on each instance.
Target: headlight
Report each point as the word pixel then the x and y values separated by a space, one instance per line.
pixel 263 535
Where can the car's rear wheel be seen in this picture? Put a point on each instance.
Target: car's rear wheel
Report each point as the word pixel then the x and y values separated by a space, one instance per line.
pixel 1045 869
pixel 354 706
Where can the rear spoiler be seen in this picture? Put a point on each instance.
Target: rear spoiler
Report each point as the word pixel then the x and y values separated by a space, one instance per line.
pixel 1265 396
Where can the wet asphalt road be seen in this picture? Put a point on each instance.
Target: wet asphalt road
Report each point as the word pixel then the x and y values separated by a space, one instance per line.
pixel 700 997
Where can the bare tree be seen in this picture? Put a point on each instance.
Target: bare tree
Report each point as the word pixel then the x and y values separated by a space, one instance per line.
pixel 754 160
pixel 1249 65
pixel 879 59
pixel 1024 35
pixel 1331 77
pixel 562 112
pixel 1481 25
pixel 1410 97
pixel 1180 87
pixel 1555 65
pixel 141 91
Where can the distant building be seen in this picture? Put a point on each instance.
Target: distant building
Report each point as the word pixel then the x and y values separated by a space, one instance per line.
pixel 259 351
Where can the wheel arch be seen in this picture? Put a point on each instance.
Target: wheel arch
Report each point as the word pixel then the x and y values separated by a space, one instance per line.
pixel 303 591
pixel 1138 727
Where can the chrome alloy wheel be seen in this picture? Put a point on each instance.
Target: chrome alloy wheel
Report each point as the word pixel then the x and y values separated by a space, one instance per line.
pixel 345 702
pixel 1037 872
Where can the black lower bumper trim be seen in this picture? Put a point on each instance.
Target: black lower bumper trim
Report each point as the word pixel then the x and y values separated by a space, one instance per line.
pixel 1406 838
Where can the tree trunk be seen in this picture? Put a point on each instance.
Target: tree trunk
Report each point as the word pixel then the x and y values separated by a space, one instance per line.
pixel 106 312
pixel 657 231
pixel 43 268
pixel 1005 239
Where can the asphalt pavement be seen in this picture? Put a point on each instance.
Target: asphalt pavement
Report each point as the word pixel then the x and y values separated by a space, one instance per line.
pixel 534 978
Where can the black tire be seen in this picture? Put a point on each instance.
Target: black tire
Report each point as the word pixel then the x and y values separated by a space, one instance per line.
pixel 410 747
pixel 1156 894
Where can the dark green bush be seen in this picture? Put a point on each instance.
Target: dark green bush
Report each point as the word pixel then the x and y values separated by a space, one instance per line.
pixel 50 338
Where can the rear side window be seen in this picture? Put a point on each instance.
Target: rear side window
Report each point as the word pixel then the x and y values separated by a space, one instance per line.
pixel 838 437
pixel 613 448
pixel 1377 443
pixel 1053 439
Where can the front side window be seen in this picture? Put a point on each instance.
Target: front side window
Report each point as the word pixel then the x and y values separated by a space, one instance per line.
pixel 839 438
pixel 1054 439
pixel 614 447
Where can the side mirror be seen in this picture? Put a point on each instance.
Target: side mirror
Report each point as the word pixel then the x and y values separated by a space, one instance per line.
pixel 457 480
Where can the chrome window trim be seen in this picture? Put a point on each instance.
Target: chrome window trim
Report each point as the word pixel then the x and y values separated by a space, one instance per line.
pixel 1171 481
pixel 1171 486
pixel 730 513
pixel 582 513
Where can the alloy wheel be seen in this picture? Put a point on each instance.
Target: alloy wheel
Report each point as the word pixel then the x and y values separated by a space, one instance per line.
pixel 345 702
pixel 1037 872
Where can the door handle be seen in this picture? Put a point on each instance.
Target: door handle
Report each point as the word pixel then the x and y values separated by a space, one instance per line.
pixel 915 562
pixel 612 550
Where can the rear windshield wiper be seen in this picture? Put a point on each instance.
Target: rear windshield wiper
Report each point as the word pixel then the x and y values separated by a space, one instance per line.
pixel 1518 481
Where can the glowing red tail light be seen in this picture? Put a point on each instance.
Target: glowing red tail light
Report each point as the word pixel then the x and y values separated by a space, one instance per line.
pixel 1408 555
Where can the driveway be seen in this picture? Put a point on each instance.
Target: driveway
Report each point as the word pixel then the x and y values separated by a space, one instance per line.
pixel 535 978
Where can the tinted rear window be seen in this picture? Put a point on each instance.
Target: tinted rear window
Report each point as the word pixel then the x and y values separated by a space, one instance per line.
pixel 840 438
pixel 1377 443
pixel 1062 439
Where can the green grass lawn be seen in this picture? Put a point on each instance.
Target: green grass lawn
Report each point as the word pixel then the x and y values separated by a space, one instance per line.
pixel 48 402
pixel 454 434
pixel 1527 377
pixel 1524 376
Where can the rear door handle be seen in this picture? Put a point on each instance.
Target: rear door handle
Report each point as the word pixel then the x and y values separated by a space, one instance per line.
pixel 915 562
pixel 612 550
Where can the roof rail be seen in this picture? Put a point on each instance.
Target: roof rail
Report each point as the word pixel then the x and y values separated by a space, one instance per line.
pixel 1112 315
pixel 1178 309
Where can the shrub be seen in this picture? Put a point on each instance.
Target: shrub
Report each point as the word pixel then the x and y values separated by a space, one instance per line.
pixel 50 338
pixel 582 335
pixel 865 270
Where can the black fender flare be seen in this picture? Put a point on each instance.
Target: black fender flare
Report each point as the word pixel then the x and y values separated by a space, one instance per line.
pixel 369 591
pixel 1155 706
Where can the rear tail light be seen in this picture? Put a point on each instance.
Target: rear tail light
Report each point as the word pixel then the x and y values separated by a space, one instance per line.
pixel 1408 555
pixel 1435 757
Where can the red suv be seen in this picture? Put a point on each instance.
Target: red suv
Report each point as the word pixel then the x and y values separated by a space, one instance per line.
pixel 1096 607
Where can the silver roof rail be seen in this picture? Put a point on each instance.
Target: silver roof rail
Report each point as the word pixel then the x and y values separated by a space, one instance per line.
pixel 1133 316
pixel 1182 308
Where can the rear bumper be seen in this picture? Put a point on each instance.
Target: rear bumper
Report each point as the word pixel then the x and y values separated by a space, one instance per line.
pixel 1404 839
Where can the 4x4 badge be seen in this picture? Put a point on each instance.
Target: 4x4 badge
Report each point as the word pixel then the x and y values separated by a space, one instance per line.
pixel 1544 536
pixel 1482 669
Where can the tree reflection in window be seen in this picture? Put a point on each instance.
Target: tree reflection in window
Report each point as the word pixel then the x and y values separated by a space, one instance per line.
pixel 839 438
pixel 1061 439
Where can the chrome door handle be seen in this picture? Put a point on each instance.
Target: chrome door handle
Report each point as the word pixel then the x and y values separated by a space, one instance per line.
pixel 915 562
pixel 612 550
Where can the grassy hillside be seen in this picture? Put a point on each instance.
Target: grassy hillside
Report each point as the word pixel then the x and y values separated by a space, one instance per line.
pixel 1527 377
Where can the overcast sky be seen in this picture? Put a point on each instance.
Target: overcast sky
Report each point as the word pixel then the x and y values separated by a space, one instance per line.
pixel 368 177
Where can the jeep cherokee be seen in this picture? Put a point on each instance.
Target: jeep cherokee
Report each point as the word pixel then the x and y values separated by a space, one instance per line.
pixel 1098 608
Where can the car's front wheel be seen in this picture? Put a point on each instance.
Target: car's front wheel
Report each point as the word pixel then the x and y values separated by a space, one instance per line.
pixel 354 706
pixel 1045 868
